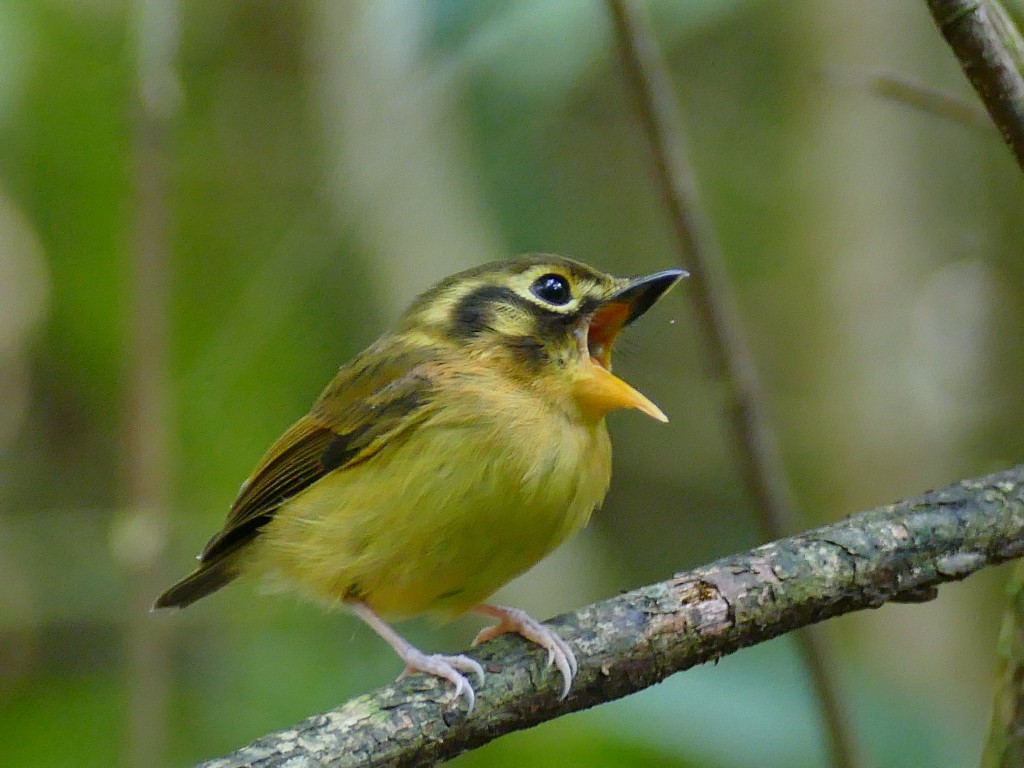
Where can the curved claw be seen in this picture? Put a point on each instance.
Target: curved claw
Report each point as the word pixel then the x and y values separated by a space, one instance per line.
pixel 448 668
pixel 560 653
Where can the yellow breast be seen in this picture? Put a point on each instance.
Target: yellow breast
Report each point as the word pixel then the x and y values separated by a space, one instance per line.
pixel 476 495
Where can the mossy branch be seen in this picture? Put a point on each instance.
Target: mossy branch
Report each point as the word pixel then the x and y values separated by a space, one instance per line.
pixel 897 553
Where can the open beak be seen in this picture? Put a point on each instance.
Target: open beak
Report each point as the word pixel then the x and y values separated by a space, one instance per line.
pixel 596 388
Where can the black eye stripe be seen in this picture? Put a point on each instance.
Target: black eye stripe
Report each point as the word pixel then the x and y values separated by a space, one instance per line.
pixel 475 312
pixel 553 289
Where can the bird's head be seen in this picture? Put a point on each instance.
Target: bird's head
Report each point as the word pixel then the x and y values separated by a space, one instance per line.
pixel 547 320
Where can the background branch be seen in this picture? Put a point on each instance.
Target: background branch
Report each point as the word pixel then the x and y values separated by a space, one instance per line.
pixel 753 441
pixel 930 100
pixel 632 641
pixel 141 535
pixel 991 52
pixel 990 49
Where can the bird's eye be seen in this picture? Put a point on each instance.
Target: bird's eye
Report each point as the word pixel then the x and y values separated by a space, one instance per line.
pixel 554 289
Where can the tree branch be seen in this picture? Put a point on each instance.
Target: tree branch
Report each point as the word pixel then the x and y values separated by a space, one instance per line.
pixel 991 53
pixel 894 553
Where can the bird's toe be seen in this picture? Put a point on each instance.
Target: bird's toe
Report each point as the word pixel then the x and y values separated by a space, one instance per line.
pixel 450 668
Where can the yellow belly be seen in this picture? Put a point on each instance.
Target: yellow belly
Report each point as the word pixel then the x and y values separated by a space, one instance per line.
pixel 443 519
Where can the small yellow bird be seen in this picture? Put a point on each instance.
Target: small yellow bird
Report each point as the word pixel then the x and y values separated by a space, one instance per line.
pixel 446 459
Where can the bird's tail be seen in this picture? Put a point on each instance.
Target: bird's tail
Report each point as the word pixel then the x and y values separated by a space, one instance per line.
pixel 203 581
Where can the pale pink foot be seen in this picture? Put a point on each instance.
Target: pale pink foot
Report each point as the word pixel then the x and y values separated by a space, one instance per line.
pixel 448 668
pixel 514 620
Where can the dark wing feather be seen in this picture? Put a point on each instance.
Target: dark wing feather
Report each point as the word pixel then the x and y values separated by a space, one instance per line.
pixel 360 411
pixel 293 463
pixel 374 400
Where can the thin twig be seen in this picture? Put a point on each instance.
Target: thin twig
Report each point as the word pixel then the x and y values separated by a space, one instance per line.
pixel 753 441
pixel 991 52
pixel 930 100
pixel 635 640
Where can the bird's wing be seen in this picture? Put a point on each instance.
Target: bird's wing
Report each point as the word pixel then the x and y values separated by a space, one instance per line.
pixel 367 406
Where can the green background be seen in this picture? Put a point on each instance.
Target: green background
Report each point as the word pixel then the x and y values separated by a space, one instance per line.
pixel 325 161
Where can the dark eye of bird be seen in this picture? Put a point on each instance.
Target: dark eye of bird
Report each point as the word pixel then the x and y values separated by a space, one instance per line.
pixel 554 289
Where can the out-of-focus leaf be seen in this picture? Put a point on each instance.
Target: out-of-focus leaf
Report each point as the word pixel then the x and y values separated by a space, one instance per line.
pixel 64 720
pixel 754 710
pixel 572 744
pixel 536 50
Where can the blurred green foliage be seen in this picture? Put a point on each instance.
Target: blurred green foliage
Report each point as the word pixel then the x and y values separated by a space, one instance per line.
pixel 329 159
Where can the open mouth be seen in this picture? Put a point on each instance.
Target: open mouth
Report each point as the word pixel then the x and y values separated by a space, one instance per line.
pixel 626 305
pixel 597 390
pixel 600 333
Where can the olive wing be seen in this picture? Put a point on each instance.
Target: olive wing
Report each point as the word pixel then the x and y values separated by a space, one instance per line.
pixel 360 412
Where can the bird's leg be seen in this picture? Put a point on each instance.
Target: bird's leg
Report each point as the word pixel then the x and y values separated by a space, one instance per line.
pixel 446 667
pixel 514 620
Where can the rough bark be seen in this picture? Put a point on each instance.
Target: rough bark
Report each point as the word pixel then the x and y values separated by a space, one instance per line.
pixel 896 553
pixel 990 50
